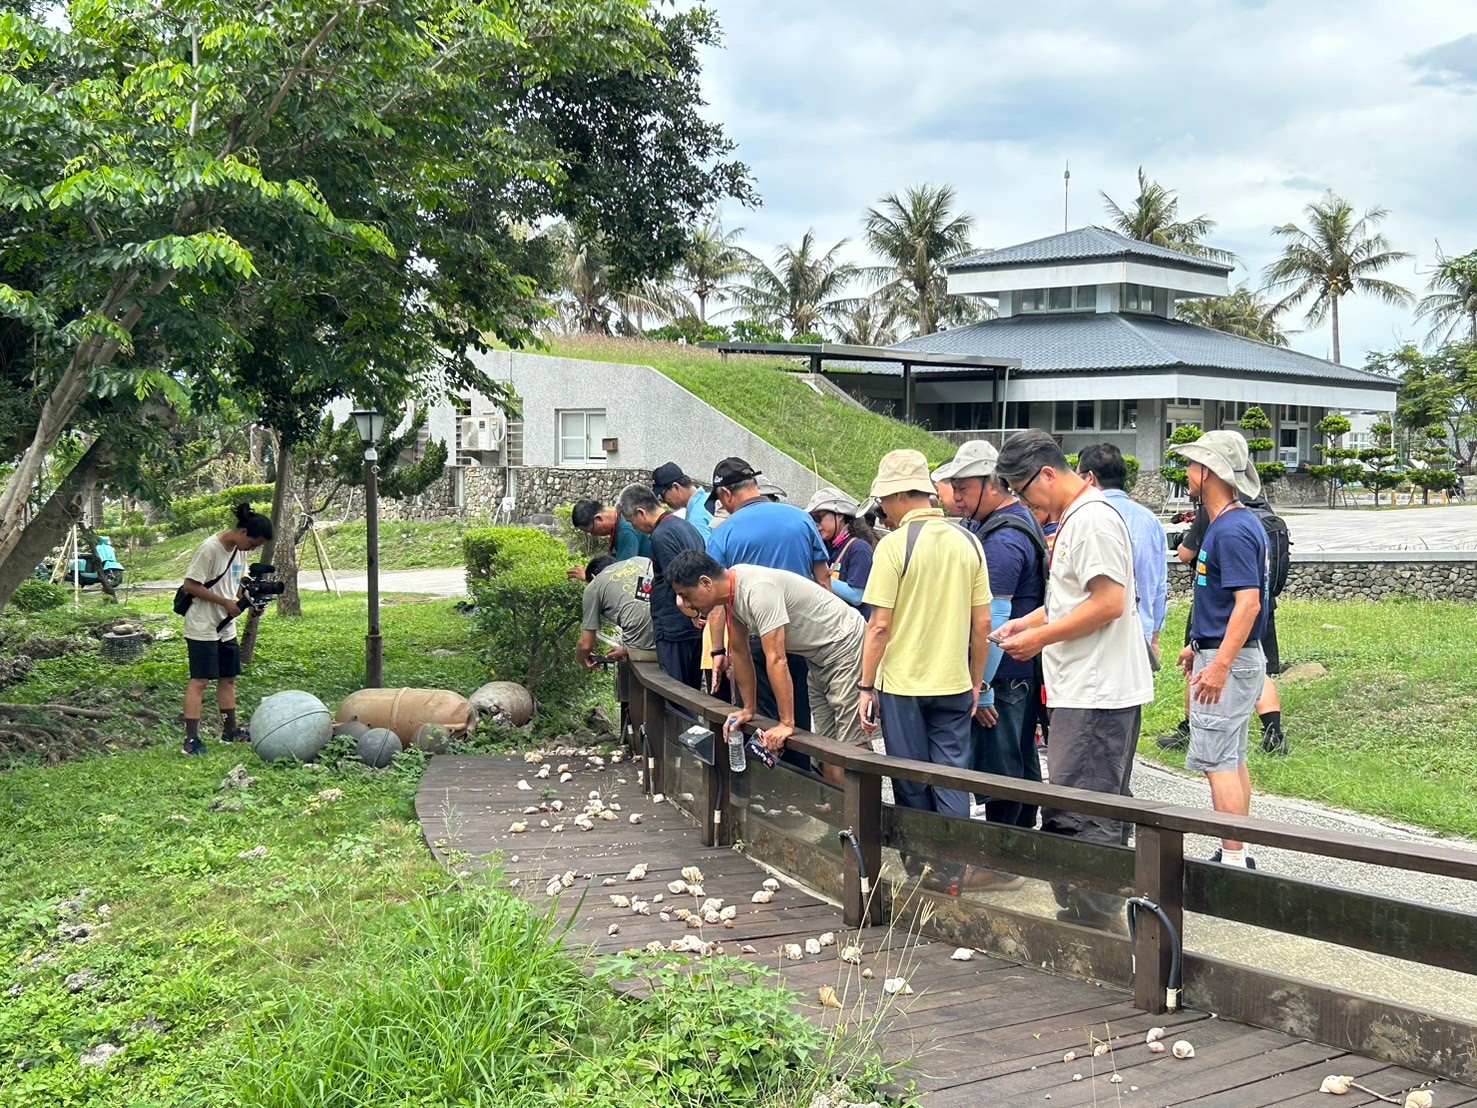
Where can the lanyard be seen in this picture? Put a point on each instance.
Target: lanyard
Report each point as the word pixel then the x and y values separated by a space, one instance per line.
pixel 733 586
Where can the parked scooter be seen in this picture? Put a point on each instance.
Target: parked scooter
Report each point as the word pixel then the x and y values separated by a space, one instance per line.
pixel 99 566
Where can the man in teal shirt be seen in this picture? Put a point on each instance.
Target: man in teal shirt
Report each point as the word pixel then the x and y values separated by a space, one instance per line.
pixel 593 518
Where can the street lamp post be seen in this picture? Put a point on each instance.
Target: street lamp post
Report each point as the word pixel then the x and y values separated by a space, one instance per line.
pixel 371 426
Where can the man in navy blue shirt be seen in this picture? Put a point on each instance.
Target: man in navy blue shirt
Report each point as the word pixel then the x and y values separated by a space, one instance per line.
pixel 1224 660
pixel 759 532
pixel 1003 734
pixel 679 643
pixel 594 518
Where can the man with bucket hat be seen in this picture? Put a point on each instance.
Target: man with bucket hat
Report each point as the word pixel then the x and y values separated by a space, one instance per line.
pixel 1224 660
pixel 923 661
pixel 1003 733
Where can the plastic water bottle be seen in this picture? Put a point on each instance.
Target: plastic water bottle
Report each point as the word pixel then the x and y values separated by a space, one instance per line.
pixel 737 760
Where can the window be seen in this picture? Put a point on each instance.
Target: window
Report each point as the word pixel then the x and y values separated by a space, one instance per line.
pixel 1095 415
pixel 580 433
pixel 1138 298
pixel 1079 298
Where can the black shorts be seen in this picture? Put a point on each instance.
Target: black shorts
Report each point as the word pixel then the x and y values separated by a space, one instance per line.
pixel 214 660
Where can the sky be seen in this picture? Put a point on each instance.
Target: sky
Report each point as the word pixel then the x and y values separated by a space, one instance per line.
pixel 1249 109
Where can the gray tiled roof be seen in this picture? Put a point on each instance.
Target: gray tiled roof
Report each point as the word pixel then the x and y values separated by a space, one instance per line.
pixel 1081 245
pixel 1112 342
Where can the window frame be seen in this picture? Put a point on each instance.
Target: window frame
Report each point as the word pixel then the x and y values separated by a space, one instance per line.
pixel 1121 407
pixel 594 456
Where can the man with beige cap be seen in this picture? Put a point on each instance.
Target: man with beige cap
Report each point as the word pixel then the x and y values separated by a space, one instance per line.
pixel 1224 660
pixel 923 662
pixel 1003 735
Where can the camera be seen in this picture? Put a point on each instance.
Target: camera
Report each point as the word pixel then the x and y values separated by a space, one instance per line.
pixel 257 589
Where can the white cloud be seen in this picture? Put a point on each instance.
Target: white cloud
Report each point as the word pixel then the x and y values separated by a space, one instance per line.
pixel 1248 109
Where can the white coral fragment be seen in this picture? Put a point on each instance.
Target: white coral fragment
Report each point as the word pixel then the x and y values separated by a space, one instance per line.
pixel 763 896
pixel 963 954
pixel 1183 1049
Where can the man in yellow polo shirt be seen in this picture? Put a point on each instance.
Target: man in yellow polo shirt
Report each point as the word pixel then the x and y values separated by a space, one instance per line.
pixel 923 661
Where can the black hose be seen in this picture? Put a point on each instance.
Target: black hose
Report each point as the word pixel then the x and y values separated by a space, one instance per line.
pixel 1133 906
pixel 848 836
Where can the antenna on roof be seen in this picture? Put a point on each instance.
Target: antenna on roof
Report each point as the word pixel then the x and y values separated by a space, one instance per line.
pixel 1066 193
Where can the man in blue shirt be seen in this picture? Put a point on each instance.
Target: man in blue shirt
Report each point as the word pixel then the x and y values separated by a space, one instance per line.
pixel 760 532
pixel 1003 733
pixel 682 494
pixel 1104 467
pixel 1224 660
pixel 593 518
pixel 679 643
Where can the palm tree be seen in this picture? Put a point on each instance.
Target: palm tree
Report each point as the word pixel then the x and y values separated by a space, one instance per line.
pixel 872 322
pixel 801 290
pixel 590 300
pixel 713 258
pixel 1451 299
pixel 1242 313
pixel 1337 255
pixel 1154 218
pixel 918 234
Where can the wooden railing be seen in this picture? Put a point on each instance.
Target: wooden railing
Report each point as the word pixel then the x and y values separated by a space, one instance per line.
pixel 1155 867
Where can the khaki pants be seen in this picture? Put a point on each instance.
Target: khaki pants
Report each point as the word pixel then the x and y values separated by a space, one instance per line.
pixel 834 697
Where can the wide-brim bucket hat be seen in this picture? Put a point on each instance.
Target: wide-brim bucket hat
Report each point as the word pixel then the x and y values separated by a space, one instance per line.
pixel 976 458
pixel 902 471
pixel 1224 453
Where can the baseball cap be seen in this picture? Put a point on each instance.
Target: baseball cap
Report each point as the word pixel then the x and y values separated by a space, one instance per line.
pixel 726 474
pixel 664 476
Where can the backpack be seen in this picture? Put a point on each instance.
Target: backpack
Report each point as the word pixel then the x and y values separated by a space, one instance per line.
pixel 1279 544
pixel 997 520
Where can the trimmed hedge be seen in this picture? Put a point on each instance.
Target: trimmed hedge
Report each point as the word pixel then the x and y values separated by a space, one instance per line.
pixel 216 510
pixel 528 611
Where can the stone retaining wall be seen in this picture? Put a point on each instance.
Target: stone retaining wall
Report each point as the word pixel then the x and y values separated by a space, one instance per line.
pixel 1369 575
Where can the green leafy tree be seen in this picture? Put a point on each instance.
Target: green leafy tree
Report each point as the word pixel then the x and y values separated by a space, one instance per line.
pixel 1154 217
pixel 917 234
pixel 1433 458
pixel 1242 313
pixel 802 290
pixel 1382 462
pixel 1258 426
pixel 1173 470
pixel 1450 302
pixel 1340 464
pixel 170 169
pixel 1338 254
pixel 749 330
pixel 1439 388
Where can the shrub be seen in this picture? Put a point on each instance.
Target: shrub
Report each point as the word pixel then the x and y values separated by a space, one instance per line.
pixel 215 510
pixel 528 610
pixel 689 329
pixel 134 536
pixel 748 330
pixel 38 596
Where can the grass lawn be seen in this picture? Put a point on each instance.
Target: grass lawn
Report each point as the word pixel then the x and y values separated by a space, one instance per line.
pixel 1391 731
pixel 402 546
pixel 293 944
pixel 767 397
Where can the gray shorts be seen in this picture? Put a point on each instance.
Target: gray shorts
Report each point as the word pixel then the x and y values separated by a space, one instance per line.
pixel 1219 731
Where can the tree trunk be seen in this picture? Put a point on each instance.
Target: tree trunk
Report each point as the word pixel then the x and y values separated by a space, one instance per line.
pixel 282 524
pixel 254 448
pixel 1337 357
pixel 50 525
pixel 702 306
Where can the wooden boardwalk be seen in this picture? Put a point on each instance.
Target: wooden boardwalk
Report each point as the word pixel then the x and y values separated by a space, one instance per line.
pixel 983 1031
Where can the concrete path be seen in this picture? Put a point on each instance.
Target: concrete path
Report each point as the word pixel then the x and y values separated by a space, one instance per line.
pixel 1450 527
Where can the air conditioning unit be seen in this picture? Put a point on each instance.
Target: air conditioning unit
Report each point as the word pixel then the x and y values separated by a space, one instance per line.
pixel 484 433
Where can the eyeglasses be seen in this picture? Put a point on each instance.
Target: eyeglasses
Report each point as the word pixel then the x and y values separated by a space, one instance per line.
pixel 1021 491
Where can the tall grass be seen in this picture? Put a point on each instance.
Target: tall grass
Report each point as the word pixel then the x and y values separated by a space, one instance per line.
pixel 767 397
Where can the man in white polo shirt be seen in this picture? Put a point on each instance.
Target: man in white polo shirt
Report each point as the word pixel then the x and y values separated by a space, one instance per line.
pixel 1094 657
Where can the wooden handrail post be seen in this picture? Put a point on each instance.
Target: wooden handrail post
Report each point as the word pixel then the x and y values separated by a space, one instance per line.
pixel 1159 875
pixel 654 715
pixel 863 816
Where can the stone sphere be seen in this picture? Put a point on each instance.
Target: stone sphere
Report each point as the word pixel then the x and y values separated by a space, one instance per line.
pixel 506 702
pixel 432 738
pixel 377 747
pixel 353 729
pixel 290 724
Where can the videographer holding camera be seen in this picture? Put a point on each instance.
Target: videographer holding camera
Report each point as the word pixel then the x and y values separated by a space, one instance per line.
pixel 210 602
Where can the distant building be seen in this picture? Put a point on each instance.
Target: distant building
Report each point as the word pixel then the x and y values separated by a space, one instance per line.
pixel 1089 315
